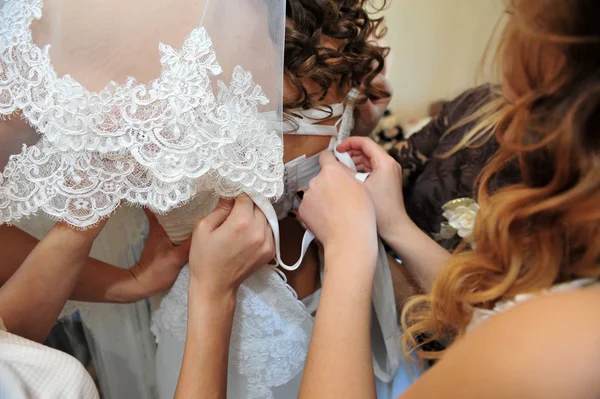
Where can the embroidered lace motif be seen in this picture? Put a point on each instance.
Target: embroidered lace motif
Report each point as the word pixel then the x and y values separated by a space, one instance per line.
pixel 155 145
pixel 270 335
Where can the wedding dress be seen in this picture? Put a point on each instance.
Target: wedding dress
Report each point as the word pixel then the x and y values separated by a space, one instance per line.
pixel 209 125
pixel 270 323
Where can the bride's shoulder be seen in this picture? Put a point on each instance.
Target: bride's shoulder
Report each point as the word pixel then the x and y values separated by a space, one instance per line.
pixel 548 347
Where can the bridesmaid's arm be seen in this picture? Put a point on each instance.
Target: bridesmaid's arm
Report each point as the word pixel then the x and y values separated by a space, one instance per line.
pixel 156 270
pixel 339 362
pixel 32 298
pixel 338 209
pixel 420 254
pixel 98 281
pixel 228 245
pixel 204 368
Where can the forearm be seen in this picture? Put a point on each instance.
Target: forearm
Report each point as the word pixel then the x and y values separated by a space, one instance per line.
pixel 101 282
pixel 204 369
pixel 31 300
pixel 16 246
pixel 98 281
pixel 422 256
pixel 339 362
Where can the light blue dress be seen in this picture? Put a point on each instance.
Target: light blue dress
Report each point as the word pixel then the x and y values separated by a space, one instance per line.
pixel 406 375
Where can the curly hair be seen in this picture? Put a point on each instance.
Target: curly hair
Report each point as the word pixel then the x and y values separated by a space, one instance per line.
pixel 356 61
pixel 545 230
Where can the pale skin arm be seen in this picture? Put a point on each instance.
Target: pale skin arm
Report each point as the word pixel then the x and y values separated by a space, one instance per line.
pixel 98 282
pixel 548 348
pixel 228 245
pixel 156 270
pixel 340 347
pixel 31 300
pixel 207 346
pixel 422 256
pixel 350 242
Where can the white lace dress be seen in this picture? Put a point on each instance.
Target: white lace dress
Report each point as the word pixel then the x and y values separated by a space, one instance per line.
pixel 197 129
pixel 271 328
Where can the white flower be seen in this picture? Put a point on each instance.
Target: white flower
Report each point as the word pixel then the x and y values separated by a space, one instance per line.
pixel 461 214
pixel 70 95
pixel 80 204
pixel 109 186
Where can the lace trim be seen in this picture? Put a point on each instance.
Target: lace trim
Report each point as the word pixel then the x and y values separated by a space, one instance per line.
pixel 110 120
pixel 481 315
pixel 270 335
pixel 154 145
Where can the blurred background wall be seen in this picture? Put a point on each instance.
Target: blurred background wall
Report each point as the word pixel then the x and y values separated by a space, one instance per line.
pixel 437 49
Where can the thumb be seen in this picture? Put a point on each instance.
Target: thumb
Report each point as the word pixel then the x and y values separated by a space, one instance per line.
pixel 327 158
pixel 365 147
pixel 218 215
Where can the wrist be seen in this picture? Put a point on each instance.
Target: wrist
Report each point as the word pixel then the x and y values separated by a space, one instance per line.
pixel 127 288
pixel 397 225
pixel 349 272
pixel 357 240
pixel 72 235
pixel 357 258
pixel 201 296
pixel 122 286
pixel 403 237
pixel 210 320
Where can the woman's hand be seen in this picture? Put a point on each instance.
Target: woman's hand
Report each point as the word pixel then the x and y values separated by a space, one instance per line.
pixel 159 264
pixel 228 245
pixel 338 209
pixel 419 253
pixel 32 298
pixel 384 182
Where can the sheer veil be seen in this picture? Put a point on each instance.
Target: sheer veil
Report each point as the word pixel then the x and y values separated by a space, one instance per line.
pixel 144 102
pixel 106 104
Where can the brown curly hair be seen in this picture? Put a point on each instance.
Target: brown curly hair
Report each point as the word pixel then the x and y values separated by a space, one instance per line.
pixel 356 61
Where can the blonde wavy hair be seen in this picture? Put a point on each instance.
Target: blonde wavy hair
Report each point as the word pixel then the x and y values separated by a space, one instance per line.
pixel 545 230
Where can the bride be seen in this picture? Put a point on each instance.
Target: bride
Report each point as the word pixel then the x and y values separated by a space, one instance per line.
pixel 170 108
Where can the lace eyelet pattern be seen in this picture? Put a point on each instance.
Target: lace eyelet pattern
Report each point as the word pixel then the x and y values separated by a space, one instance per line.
pixel 154 145
pixel 270 335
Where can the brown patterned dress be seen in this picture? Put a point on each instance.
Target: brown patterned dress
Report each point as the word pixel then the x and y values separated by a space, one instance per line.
pixel 431 180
